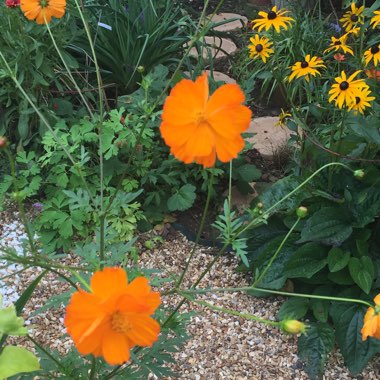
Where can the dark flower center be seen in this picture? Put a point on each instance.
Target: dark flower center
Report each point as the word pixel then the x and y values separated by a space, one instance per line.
pixel 344 86
pixel 337 43
pixel 272 15
pixel 375 49
pixel 304 64
pixel 354 18
pixel 357 100
pixel 259 48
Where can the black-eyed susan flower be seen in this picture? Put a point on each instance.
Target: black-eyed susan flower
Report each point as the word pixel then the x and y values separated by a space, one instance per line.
pixel 353 32
pixel 375 20
pixel 282 117
pixel 372 54
pixel 345 90
pixel 274 18
pixel 353 17
pixel 307 67
pixel 362 101
pixel 339 44
pixel 260 47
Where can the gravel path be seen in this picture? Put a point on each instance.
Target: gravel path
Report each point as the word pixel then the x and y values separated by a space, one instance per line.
pixel 221 346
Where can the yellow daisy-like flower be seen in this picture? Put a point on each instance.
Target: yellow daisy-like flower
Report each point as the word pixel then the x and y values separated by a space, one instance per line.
pixel 346 89
pixel 372 53
pixel 307 67
pixel 260 47
pixel 352 17
pixel 375 20
pixel 43 10
pixel 353 32
pixel 282 118
pixel 275 18
pixel 362 101
pixel 339 44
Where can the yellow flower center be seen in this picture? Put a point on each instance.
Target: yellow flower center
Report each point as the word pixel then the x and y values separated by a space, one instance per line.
pixel 119 323
pixel 272 15
pixel 201 118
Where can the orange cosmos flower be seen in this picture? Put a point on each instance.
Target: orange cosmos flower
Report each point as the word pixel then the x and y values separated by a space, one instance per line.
pixel 371 325
pixel 114 317
pixel 198 127
pixel 40 10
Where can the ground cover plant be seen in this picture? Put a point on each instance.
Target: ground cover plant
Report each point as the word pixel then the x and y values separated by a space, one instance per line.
pixel 104 166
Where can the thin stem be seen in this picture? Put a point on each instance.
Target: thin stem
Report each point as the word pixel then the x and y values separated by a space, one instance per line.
pixel 232 312
pixel 269 291
pixel 69 71
pixel 257 281
pixel 47 353
pixel 267 212
pixel 93 369
pixel 200 230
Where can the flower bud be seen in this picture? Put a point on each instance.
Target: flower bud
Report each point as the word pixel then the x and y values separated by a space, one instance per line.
pixel 359 174
pixel 140 69
pixel 302 212
pixel 292 326
pixel 3 142
pixel 259 205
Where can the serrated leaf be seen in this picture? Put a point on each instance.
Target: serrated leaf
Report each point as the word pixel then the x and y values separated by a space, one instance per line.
pixel 337 259
pixel 314 346
pixel 329 226
pixel 362 272
pixel 15 360
pixel 293 308
pixel 248 172
pixel 306 261
pixel 348 320
pixel 183 199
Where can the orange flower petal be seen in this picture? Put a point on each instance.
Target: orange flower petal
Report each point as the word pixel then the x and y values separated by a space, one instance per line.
pixel 109 281
pixel 115 348
pixel 145 330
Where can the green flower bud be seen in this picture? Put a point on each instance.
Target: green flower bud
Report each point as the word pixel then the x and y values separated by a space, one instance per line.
pixel 259 205
pixel 359 174
pixel 302 212
pixel 140 69
pixel 292 326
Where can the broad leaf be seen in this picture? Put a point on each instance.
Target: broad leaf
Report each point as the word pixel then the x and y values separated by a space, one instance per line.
pixel 10 323
pixel 183 199
pixel 248 172
pixel 15 360
pixel 314 346
pixel 293 308
pixel 362 272
pixel 348 320
pixel 329 225
pixel 337 259
pixel 306 261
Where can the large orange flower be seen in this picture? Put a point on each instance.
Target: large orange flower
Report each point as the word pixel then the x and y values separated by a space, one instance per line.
pixel 114 317
pixel 40 10
pixel 198 128
pixel 371 325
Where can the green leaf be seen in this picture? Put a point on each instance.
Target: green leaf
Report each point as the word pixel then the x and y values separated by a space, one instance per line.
pixel 362 272
pixel 16 360
pixel 293 308
pixel 329 226
pixel 341 277
pixel 348 320
pixel 248 172
pixel 337 259
pixel 10 323
pixel 306 261
pixel 314 346
pixel 183 199
pixel 320 309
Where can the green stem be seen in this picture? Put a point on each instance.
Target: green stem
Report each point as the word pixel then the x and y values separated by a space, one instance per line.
pixel 69 71
pixel 47 353
pixel 200 230
pixel 257 281
pixel 272 208
pixel 277 292
pixel 232 312
pixel 93 369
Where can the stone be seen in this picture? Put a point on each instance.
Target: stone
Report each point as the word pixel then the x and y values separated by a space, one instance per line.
pixel 230 26
pixel 220 77
pixel 215 47
pixel 269 138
